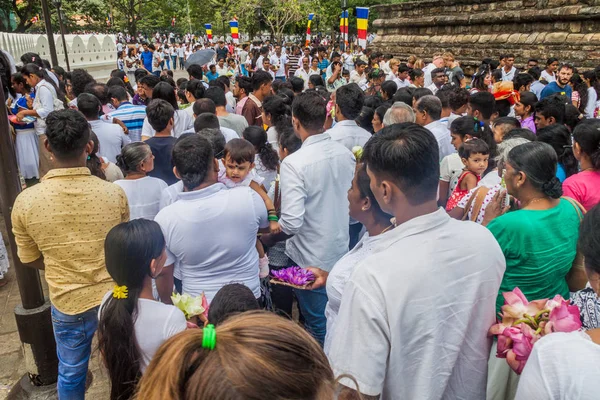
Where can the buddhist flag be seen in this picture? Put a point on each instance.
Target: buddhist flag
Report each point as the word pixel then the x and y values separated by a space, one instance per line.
pixel 362 22
pixel 208 28
pixel 310 18
pixel 233 25
pixel 344 26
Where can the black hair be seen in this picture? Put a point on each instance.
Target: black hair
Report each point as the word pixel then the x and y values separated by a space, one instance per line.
pixel 117 92
pixel 523 133
pixel 18 78
pixel 239 151
pixel 80 78
pixel 404 95
pixel 443 94
pixel 415 73
pixel 437 71
pixel 193 156
pixel 558 136
pixel 589 240
pixel 364 187
pixel 406 154
pixel 431 105
pixel 68 133
pixel 5 75
pixel 512 122
pixel 280 112
pixel 115 81
pixel 196 88
pixel 458 97
pixel 33 69
pixel 32 58
pixel 267 155
pixel 551 60
pixel 535 72
pixel 223 82
pixel 93 162
pixel 479 77
pixel 473 146
pixel 259 78
pixel 129 250
pixel 551 106
pixel 309 109
pixel 572 116
pixel 166 92
pixel 195 71
pixel 349 100
pixel 287 95
pixel 372 102
pixel 316 80
pixel 420 92
pixel 159 112
pixel 216 139
pixel 100 90
pixel 132 155
pixel 139 74
pixel 180 81
pixel 497 75
pixel 123 77
pixel 244 83
pixel 365 119
pixel 217 95
pixel 202 106
pixel 206 120
pixel 381 110
pixel 538 161
pixel 529 99
pixel 587 136
pixel 522 80
pixel 297 84
pixel 230 300
pixel 387 87
pixel 168 79
pixel 288 139
pixel 149 80
pixel 484 102
pixel 89 105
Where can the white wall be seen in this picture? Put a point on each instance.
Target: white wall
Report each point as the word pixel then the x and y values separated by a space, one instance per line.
pixel 95 53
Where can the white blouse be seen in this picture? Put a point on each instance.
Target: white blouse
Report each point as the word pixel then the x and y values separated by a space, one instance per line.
pixel 338 277
pixel 143 196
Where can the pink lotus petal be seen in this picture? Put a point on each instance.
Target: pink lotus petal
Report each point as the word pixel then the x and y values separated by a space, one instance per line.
pixel 564 318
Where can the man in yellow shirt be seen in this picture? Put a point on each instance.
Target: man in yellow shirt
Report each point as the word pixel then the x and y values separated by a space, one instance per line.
pixel 60 226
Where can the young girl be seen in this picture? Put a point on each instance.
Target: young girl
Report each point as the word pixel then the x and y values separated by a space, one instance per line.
pixel 524 110
pixel 131 324
pixel 143 192
pixel 238 160
pixel 27 141
pixel 474 154
pixel 266 160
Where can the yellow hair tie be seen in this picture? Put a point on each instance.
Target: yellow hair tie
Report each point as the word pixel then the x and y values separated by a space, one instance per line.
pixel 120 292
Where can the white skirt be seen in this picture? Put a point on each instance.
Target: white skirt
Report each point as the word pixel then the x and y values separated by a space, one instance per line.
pixel 28 157
pixel 3 258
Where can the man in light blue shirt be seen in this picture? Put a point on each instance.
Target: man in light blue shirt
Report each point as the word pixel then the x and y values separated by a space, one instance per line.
pixel 314 203
pixel 131 116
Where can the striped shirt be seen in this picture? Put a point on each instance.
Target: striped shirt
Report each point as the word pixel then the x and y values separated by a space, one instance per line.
pixel 133 118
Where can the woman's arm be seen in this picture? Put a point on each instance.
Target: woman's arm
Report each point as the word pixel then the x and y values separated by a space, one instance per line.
pixel 443 188
pixel 577 278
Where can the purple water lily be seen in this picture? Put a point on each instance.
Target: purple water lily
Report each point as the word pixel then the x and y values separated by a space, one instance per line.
pixel 294 275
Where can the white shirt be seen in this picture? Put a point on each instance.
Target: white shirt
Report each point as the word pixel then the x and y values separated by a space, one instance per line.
pixel 280 62
pixel 267 176
pixel 339 275
pixel 43 104
pixel 562 366
pixel 451 169
pixel 227 253
pixel 427 74
pixel 111 139
pixel 154 323
pixel 143 196
pixel 349 134
pixel 548 77
pixel 272 138
pixel 441 132
pixel 360 80
pixel 314 202
pixel 508 76
pixel 433 88
pixel 302 74
pixel 182 121
pixel 414 318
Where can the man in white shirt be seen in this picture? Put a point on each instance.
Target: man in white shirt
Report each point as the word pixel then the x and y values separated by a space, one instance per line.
pixel 358 75
pixel 264 53
pixel 304 72
pixel 414 317
pixel 228 253
pixel 280 62
pixel 436 62
pixel 111 137
pixel 314 203
pixel 438 78
pixel 349 100
pixel 221 67
pixel 508 71
pixel 428 113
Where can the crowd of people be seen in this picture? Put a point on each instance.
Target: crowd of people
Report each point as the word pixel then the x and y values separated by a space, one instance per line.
pixel 415 195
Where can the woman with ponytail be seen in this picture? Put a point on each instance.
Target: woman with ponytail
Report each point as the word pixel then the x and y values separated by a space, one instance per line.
pixel 585 186
pixel 132 325
pixel 558 136
pixel 276 113
pixel 539 241
pixel 143 192
pixel 100 166
pixel 266 161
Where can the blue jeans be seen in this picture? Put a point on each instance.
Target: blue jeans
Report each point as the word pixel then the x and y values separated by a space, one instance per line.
pixel 156 73
pixel 174 58
pixel 168 63
pixel 280 78
pixel 312 306
pixel 181 62
pixel 73 335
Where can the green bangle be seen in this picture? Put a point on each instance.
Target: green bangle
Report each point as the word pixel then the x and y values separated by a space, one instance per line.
pixel 273 218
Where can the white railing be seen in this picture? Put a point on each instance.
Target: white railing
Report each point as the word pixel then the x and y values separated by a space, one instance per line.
pixel 95 53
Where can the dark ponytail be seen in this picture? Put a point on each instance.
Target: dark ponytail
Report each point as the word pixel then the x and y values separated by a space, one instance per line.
pixel 558 136
pixel 538 161
pixel 93 162
pixel 267 155
pixel 587 136
pixel 34 69
pixel 279 108
pixel 129 249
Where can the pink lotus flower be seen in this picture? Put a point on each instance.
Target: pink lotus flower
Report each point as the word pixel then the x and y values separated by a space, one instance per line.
pixel 516 305
pixel 294 275
pixel 563 318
